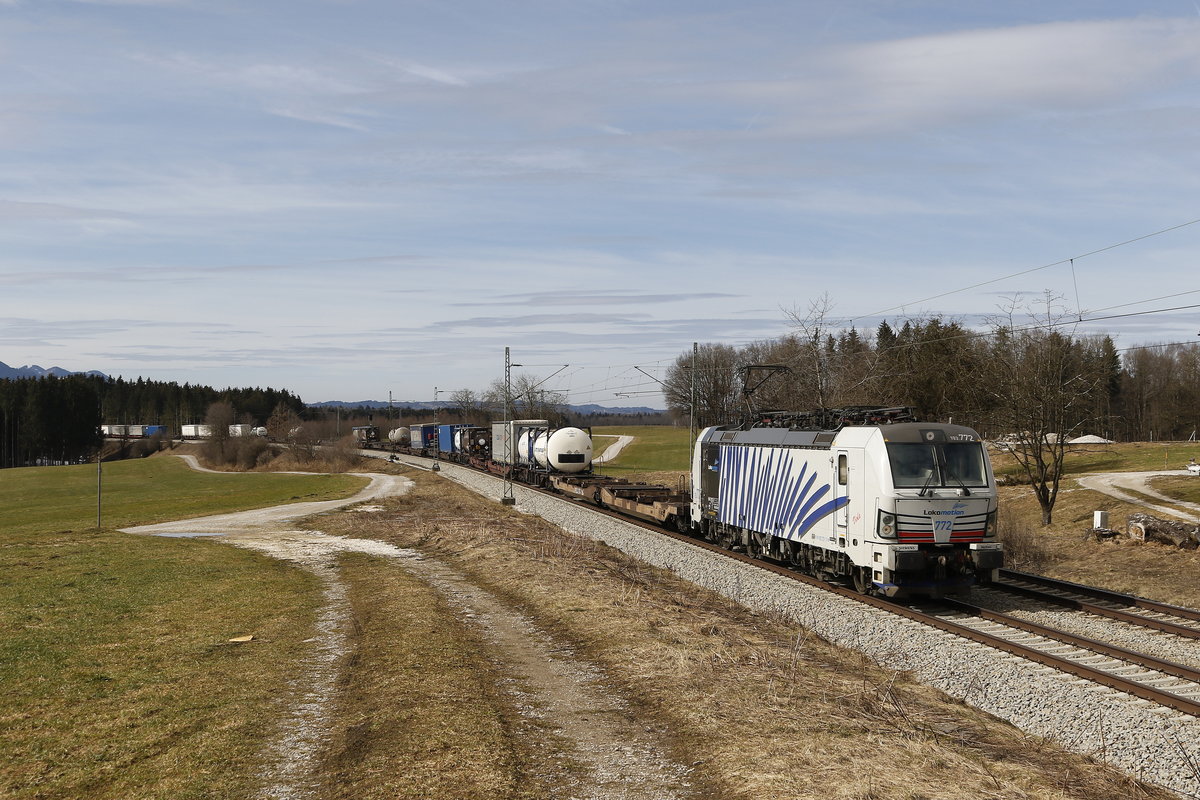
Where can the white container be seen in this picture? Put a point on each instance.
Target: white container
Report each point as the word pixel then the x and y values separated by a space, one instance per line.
pixel 195 432
pixel 506 440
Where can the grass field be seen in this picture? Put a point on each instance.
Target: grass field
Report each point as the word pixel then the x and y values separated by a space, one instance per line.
pixel 143 491
pixel 119 679
pixel 1123 457
pixel 656 452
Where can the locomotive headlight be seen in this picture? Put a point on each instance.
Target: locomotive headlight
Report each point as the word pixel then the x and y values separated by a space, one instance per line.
pixel 989 525
pixel 886 525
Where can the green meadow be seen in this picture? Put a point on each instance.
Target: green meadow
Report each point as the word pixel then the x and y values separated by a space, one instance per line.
pixel 655 448
pixel 142 491
pixel 119 677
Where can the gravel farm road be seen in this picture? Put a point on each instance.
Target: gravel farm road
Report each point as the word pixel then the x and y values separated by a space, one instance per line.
pixel 1112 483
pixel 618 759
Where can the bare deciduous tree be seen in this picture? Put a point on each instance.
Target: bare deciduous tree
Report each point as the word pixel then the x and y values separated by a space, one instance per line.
pixel 528 399
pixel 469 405
pixel 1042 383
pixel 282 422
pixel 218 418
pixel 717 390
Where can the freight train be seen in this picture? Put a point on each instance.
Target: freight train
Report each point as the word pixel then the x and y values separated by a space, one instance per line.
pixel 868 496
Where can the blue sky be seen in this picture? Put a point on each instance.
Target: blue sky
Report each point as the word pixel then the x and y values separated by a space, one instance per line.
pixel 349 198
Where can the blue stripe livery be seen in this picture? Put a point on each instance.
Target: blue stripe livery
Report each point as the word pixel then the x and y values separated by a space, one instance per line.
pixel 771 490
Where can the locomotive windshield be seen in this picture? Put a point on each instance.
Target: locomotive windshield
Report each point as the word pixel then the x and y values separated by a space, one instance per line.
pixel 938 465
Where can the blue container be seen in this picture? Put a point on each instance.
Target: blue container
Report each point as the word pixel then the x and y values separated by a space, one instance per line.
pixel 155 430
pixel 446 438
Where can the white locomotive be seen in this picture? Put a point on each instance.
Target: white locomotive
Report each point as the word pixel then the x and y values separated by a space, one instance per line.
pixel 897 508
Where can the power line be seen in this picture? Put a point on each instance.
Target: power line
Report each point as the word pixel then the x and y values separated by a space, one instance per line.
pixel 1150 300
pixel 1031 270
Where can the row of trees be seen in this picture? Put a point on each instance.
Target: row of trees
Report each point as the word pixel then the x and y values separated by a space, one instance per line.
pixel 1028 379
pixel 168 403
pixel 56 420
pixel 48 421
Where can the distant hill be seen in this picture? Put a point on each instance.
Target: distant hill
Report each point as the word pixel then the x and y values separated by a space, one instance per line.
pixel 589 409
pixel 8 373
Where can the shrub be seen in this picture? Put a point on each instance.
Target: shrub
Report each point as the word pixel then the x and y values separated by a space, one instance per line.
pixel 1023 548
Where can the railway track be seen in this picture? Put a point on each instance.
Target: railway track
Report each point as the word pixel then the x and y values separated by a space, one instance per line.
pixel 1177 620
pixel 1137 674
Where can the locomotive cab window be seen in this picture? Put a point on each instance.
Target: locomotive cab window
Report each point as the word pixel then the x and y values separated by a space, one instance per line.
pixel 843 470
pixel 940 465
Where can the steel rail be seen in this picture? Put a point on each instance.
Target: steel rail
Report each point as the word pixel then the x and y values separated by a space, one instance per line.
pixel 1126 685
pixel 1116 682
pixel 1101 594
pixel 1166 626
pixel 1096 646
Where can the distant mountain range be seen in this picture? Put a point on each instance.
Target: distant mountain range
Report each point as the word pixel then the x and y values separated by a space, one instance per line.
pixel 34 371
pixel 587 409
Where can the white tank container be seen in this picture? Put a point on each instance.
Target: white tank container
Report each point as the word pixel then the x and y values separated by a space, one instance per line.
pixel 399 435
pixel 525 447
pixel 539 448
pixel 563 450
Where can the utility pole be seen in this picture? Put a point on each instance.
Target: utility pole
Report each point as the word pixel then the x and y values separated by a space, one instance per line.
pixel 99 460
pixel 508 499
pixel 99 483
pixel 692 405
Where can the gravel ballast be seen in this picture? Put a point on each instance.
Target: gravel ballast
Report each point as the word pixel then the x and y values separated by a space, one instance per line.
pixel 1147 741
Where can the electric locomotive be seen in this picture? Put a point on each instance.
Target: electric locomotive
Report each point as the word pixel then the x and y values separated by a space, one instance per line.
pixel 896 507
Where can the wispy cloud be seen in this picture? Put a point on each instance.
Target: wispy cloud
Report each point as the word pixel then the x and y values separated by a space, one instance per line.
pixel 433 74
pixel 926 81
pixel 595 298
pixel 15 210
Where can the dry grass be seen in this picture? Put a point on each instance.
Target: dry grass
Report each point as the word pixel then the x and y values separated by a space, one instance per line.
pixel 1184 487
pixel 1157 571
pixel 762 709
pixel 420 713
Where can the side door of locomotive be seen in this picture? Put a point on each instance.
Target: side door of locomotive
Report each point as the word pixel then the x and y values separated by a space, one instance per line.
pixel 849 494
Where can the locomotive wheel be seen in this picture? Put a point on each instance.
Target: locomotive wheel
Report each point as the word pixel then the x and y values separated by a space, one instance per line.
pixel 862 580
pixel 754 549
